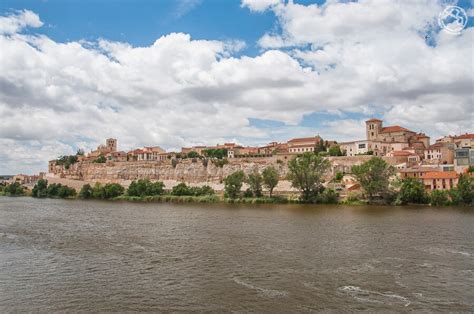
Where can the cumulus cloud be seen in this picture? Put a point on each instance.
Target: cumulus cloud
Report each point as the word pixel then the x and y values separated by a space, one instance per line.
pixel 347 59
pixel 16 22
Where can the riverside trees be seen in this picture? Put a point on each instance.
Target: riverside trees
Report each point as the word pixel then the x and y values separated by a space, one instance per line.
pixel 373 176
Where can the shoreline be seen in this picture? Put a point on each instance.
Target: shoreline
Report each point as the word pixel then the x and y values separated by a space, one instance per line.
pixel 215 199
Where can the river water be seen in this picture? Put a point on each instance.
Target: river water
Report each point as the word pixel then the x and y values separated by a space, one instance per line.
pixel 60 255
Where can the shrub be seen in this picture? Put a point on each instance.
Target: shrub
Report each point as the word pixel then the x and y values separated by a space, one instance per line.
pixel 193 154
pixel 233 184
pixel 248 193
pixel 255 180
pixel 86 191
pixel 328 196
pixel 14 189
pixel 144 187
pixel 100 160
pixel 439 198
pixel 338 177
pixel 220 162
pixel 181 190
pixel 40 189
pixel 373 176
pixel 270 179
pixel 412 191
pixel 108 191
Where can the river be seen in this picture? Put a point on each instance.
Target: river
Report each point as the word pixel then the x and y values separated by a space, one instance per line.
pixel 70 255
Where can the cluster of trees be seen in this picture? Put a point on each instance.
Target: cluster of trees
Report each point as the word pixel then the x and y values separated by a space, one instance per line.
pixel 218 153
pixel 43 189
pixel 67 161
pixel 256 181
pixel 184 190
pixel 374 178
pixel 100 160
pixel 12 189
pixel 99 191
pixel 145 187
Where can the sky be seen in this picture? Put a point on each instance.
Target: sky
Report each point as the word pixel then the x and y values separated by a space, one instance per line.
pixel 193 72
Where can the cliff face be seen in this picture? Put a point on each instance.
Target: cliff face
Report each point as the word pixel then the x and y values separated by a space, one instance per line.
pixel 184 170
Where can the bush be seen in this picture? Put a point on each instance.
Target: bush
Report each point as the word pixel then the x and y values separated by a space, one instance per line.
pixel 108 191
pixel 328 196
pixel 181 190
pixel 233 184
pixel 193 154
pixel 40 189
pixel 248 193
pixel 338 177
pixel 100 160
pixel 204 190
pixel 439 198
pixel 220 162
pixel 14 189
pixel 59 190
pixel 255 180
pixel 412 191
pixel 86 191
pixel 144 187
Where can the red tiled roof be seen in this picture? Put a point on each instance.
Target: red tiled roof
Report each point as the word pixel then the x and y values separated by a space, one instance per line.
pixel 374 120
pixel 394 128
pixel 440 175
pixel 464 136
pixel 301 145
pixel 398 153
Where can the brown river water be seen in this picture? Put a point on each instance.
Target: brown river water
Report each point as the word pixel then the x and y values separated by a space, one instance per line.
pixel 70 256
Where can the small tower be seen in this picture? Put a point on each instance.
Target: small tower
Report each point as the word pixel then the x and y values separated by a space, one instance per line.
pixel 111 144
pixel 373 127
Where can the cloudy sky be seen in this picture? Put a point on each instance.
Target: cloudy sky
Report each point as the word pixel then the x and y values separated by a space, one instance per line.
pixel 178 73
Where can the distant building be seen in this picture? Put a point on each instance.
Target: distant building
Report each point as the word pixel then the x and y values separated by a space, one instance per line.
pixel 440 180
pixel 463 158
pixel 440 153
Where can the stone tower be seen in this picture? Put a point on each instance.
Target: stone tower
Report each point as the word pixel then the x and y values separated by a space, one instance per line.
pixel 111 144
pixel 373 127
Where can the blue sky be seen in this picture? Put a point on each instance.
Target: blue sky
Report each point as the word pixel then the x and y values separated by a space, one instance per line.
pixel 305 68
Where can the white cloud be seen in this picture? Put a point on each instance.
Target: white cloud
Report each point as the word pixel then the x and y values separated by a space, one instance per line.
pixel 16 22
pixel 260 5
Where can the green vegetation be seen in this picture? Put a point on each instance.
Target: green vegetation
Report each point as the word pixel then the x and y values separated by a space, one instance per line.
pixel 100 160
pixel 66 161
pixel 55 190
pixel 107 191
pixel 270 179
pixel 218 153
pixel 233 184
pixel 144 187
pixel 320 147
pixel 373 176
pixel 220 162
pixel 338 177
pixel 439 198
pixel 13 189
pixel 412 191
pixel 466 189
pixel 335 151
pixel 255 181
pixel 193 154
pixel 86 191
pixel 306 173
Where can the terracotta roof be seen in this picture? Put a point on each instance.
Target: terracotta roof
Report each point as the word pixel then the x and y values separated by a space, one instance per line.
pixel 435 146
pixel 393 128
pixel 301 145
pixel 304 139
pixel 464 136
pixel 440 175
pixel 374 120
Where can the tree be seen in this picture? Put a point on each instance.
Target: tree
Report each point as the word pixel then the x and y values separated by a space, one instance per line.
pixel 255 180
pixel 412 191
pixel 14 189
pixel 339 176
pixel 306 173
pixel 270 179
pixel 439 198
pixel 320 146
pixel 100 160
pixel 181 190
pixel 193 154
pixel 40 189
pixel 80 152
pixel 466 188
pixel 65 191
pixel 233 184
pixel 218 153
pixel 86 191
pixel 112 190
pixel 144 187
pixel 328 196
pixel 373 176
pixel 335 151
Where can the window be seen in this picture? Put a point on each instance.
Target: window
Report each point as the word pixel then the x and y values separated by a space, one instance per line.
pixel 361 146
pixel 372 133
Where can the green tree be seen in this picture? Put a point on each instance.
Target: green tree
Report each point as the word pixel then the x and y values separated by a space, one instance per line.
pixel 40 189
pixel 373 176
pixel 339 176
pixel 202 190
pixel 112 190
pixel 306 173
pixel 14 189
pixel 255 180
pixel 193 154
pixel 439 198
pixel 181 189
pixel 335 151
pixel 65 191
pixel 100 160
pixel 270 179
pixel 328 196
pixel 218 153
pixel 233 184
pixel 412 191
pixel 466 188
pixel 86 191
pixel 320 146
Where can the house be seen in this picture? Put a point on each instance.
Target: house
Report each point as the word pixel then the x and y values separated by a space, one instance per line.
pixel 463 159
pixel 440 180
pixel 464 141
pixel 306 144
pixel 404 155
pixel 440 153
